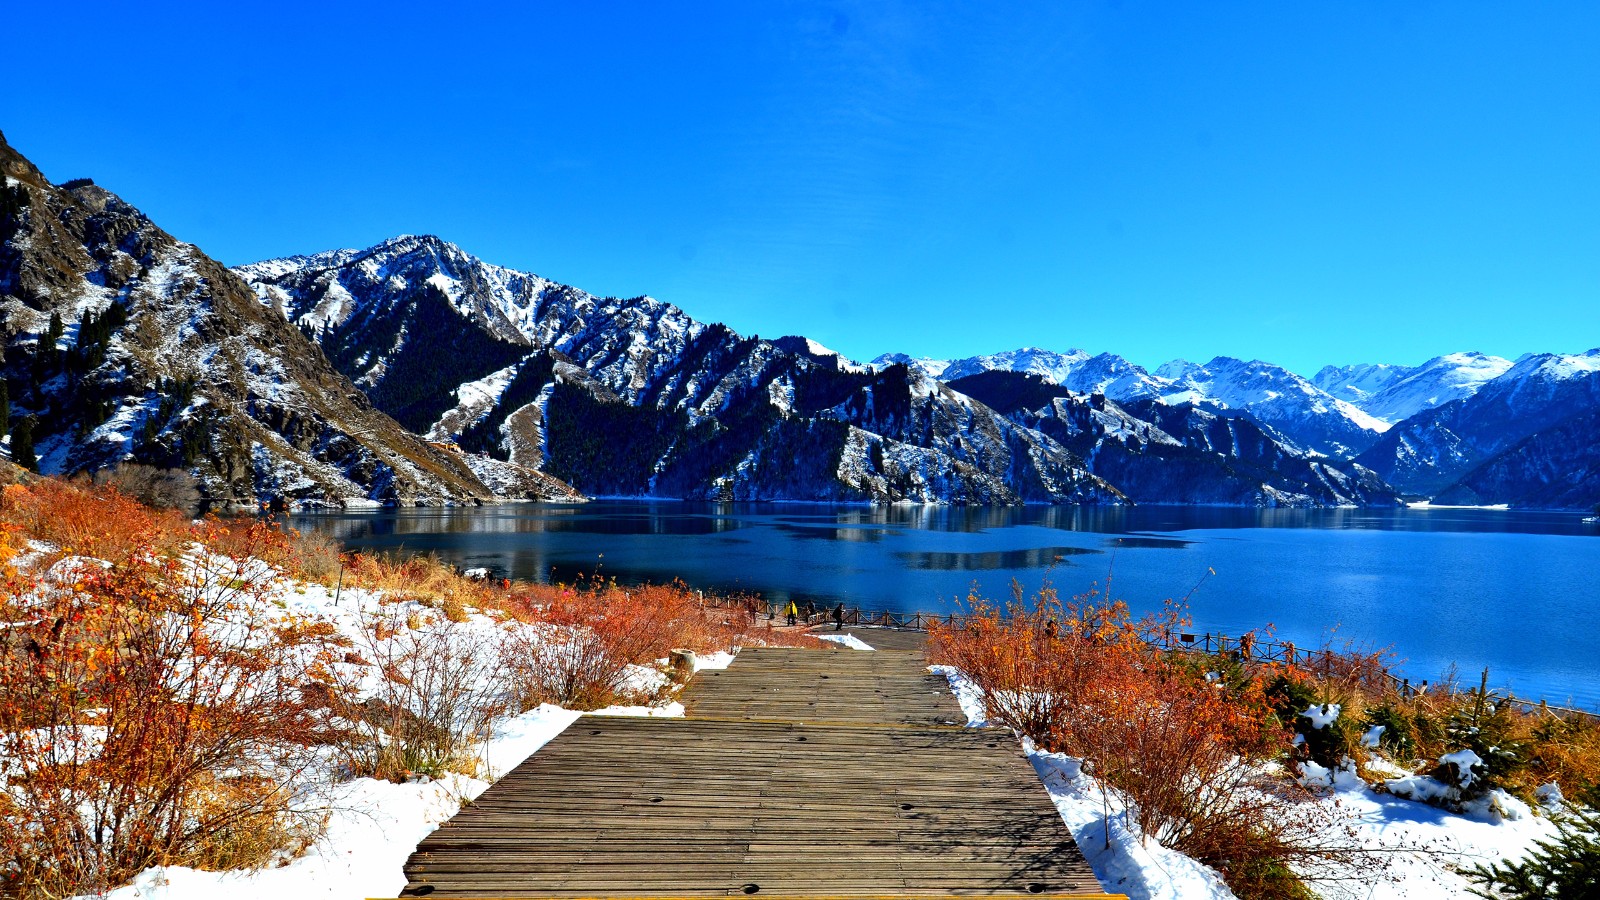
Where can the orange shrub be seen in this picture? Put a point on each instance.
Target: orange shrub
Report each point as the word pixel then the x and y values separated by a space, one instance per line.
pixel 148 716
pixel 1186 753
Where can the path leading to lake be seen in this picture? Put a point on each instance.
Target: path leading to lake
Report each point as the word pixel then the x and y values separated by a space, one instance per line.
pixel 797 773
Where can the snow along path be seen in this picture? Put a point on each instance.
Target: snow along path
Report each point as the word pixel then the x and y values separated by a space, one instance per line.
pixel 848 640
pixel 373 826
pixel 1498 827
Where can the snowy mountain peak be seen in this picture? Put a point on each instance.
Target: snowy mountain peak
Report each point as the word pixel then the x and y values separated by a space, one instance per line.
pixel 1394 393
pixel 925 364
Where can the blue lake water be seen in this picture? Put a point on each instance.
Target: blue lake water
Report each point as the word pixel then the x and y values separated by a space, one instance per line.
pixel 1518 592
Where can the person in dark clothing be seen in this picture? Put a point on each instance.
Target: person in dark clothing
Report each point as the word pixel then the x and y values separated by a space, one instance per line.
pixel 811 610
pixel 838 617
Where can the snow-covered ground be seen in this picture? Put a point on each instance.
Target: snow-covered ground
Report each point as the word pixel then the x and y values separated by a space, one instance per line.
pixel 371 826
pixel 1426 845
pixel 848 640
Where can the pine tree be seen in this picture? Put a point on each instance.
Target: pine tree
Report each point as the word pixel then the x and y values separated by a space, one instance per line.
pixel 1568 866
pixel 22 445
pixel 54 332
pixel 5 408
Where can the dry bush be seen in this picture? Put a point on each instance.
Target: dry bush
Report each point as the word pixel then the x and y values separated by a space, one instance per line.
pixel 102 522
pixel 314 556
pixel 1190 755
pixel 1564 749
pixel 175 489
pixel 420 701
pixel 586 637
pixel 422 579
pixel 150 714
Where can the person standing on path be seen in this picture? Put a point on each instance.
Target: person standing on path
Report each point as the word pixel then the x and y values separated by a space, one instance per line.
pixel 838 617
pixel 791 612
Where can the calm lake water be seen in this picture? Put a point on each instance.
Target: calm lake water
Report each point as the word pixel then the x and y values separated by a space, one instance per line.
pixel 1518 592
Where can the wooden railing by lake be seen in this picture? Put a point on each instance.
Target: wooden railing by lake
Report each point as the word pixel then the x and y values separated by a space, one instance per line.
pixel 1247 647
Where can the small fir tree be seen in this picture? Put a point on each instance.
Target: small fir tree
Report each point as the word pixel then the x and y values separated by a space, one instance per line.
pixel 1487 728
pixel 1568 866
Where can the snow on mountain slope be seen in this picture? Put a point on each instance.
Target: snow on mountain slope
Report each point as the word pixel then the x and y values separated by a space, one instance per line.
pixel 1395 393
pixel 1435 448
pixel 926 364
pixel 1277 398
pixel 125 344
pixel 634 397
pixel 1076 370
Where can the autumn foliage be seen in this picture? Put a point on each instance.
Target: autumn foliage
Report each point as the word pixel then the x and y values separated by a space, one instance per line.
pixel 1086 678
pixel 149 698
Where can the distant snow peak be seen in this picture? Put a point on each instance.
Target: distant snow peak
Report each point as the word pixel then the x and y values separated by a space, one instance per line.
pixel 1393 393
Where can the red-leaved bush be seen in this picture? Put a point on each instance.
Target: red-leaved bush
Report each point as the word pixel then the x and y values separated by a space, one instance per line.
pixel 1189 756
pixel 150 707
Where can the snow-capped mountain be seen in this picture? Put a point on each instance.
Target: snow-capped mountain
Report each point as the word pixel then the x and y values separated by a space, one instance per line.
pixel 634 397
pixel 1395 393
pixel 125 344
pixel 1160 453
pixel 1276 398
pixel 926 365
pixel 1077 370
pixel 1297 410
pixel 1527 426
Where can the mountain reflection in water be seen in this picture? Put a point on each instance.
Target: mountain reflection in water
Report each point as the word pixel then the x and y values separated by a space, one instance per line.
pixel 1510 590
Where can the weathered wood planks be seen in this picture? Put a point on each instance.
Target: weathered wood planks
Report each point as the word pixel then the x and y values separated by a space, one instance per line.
pixel 784 790
pixel 888 687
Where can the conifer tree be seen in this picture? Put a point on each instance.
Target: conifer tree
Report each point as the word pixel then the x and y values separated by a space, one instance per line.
pixel 1568 866
pixel 22 445
pixel 5 408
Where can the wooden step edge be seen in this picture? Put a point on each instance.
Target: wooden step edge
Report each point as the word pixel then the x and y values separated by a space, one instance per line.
pixel 1078 896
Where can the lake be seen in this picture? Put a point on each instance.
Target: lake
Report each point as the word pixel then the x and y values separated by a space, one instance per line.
pixel 1518 592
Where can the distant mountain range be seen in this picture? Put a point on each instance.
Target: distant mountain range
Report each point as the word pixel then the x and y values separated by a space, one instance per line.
pixel 1464 428
pixel 413 372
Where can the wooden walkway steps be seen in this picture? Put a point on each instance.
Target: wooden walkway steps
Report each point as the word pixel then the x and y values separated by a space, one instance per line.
pixel 885 687
pixel 798 805
pixel 881 638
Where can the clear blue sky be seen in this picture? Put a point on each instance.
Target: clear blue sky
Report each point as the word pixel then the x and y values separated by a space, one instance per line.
pixel 1300 182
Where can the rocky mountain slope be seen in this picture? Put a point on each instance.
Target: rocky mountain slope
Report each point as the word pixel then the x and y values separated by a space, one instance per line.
pixel 1298 412
pixel 1158 452
pixel 1274 397
pixel 1518 425
pixel 1394 393
pixel 634 397
pixel 124 344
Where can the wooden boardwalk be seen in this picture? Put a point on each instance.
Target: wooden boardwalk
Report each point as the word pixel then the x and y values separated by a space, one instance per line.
pixel 775 785
pixel 882 638
pixel 885 687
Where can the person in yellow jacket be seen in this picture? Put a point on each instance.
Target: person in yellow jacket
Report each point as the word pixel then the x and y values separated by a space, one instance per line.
pixel 790 612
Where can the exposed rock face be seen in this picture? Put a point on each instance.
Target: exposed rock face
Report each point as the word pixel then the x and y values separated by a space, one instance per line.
pixel 1555 468
pixel 1277 399
pixel 1296 410
pixel 1525 422
pixel 633 397
pixel 1160 453
pixel 123 343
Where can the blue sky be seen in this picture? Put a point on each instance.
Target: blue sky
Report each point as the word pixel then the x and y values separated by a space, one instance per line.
pixel 1298 182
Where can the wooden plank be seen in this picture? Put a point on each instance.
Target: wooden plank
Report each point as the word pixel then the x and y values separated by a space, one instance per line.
pixel 884 800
